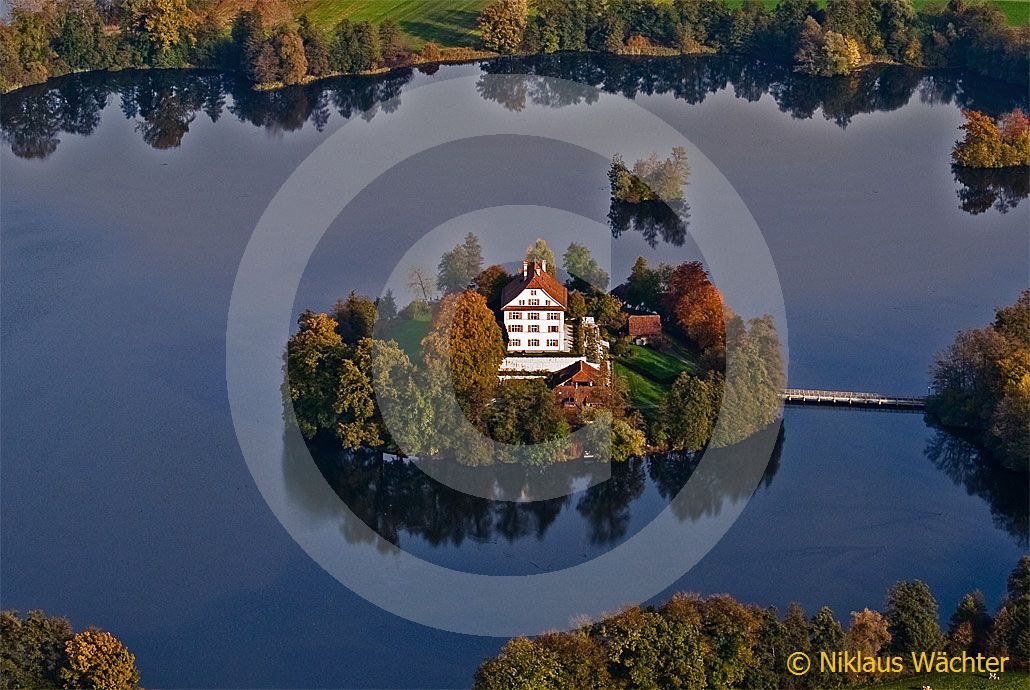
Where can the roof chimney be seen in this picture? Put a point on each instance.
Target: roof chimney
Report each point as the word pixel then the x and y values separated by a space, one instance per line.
pixel 525 269
pixel 543 265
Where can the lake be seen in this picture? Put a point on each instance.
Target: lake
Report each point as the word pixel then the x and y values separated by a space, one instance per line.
pixel 128 201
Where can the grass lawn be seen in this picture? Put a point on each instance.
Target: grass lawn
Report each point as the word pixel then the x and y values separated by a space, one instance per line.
pixel 452 23
pixel 655 365
pixel 409 333
pixel 644 394
pixel 956 681
pixel 449 23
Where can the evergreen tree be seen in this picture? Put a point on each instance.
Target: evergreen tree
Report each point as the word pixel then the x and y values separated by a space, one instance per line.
pixel 912 618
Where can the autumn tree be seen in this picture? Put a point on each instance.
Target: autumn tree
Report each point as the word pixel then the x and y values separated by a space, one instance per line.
pixel 695 306
pixel 826 53
pixel 490 284
pixel 293 63
pixel 502 25
pixel 466 338
pixel 554 661
pixel 988 144
pixel 98 660
pixel 651 651
pixel 869 636
pixel 729 631
pixel 460 266
pixel 313 358
pixel 160 30
pixel 981 385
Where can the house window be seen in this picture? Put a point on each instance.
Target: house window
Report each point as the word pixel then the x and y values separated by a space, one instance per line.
pixel 553 316
pixel 534 328
pixel 515 343
pixel 533 342
pixel 515 328
pixel 534 303
pixel 522 301
pixel 534 316
pixel 515 315
pixel 547 302
pixel 552 343
pixel 552 329
pixel 533 292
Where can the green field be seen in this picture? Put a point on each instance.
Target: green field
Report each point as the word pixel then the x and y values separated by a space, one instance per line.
pixel 649 374
pixel 644 394
pixel 449 23
pixel 452 23
pixel 655 365
pixel 956 681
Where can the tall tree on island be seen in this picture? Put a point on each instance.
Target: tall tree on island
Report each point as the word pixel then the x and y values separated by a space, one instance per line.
pixel 460 266
pixel 539 252
pixel 584 271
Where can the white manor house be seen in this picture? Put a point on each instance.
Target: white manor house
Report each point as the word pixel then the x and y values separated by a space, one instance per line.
pixel 534 307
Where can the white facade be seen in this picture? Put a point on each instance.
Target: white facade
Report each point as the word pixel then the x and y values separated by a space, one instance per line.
pixel 535 322
pixel 513 365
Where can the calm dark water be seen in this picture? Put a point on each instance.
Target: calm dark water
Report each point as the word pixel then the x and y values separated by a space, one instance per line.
pixel 128 199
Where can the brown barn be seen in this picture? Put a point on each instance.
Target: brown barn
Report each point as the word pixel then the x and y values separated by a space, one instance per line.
pixel 643 328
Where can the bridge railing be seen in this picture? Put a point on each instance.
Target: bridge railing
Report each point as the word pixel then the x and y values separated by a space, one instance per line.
pixel 848 397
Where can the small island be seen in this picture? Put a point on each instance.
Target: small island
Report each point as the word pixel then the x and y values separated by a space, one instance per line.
pixel 525 359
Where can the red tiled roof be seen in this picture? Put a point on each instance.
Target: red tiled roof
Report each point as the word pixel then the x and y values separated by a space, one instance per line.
pixel 580 371
pixel 539 279
pixel 645 325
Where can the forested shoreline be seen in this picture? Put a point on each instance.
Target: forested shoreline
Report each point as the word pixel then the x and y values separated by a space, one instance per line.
pixel 717 642
pixel 58 37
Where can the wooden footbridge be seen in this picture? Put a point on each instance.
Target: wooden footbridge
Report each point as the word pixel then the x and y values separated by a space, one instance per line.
pixel 802 396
